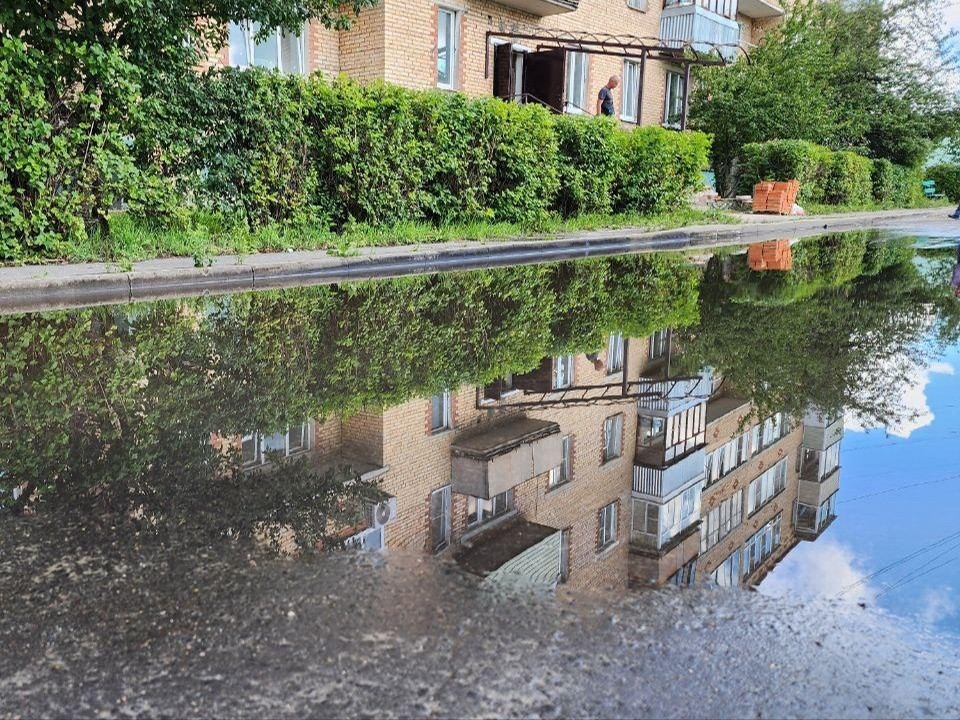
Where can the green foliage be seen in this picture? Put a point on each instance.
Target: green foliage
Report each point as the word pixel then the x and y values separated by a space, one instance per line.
pixel 947 178
pixel 660 168
pixel 109 395
pixel 826 177
pixel 848 180
pixel 589 160
pixel 63 160
pixel 866 76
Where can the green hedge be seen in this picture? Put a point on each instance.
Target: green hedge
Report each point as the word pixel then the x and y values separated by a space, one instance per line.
pixel 947 178
pixel 828 177
pixel 276 148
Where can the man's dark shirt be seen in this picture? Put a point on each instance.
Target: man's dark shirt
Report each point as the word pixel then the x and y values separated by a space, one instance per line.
pixel 606 101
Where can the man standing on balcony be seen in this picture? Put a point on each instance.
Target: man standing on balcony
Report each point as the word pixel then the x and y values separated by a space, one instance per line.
pixel 605 97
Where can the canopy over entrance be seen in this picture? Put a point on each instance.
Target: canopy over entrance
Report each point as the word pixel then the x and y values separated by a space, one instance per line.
pixel 529 63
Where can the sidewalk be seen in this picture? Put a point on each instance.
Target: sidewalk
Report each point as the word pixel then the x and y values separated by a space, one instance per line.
pixel 49 287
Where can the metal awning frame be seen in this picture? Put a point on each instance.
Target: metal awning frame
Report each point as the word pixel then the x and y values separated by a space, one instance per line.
pixel 626 46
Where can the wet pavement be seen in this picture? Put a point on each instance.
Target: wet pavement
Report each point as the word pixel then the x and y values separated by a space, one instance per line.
pixel 320 501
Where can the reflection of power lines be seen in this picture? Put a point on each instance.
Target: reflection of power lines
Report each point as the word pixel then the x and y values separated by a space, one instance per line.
pixel 953 539
pixel 901 487
pixel 915 573
pixel 898 443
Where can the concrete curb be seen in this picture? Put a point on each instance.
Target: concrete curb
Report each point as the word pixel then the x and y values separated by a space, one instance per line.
pixel 57 287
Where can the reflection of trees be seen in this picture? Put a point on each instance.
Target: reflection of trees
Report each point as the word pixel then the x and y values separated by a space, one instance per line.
pixel 115 409
pixel 842 331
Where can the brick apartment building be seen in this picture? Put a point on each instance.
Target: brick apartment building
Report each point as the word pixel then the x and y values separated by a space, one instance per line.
pixel 558 52
pixel 599 470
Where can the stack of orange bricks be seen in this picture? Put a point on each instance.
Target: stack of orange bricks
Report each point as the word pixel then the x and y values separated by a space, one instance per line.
pixel 770 255
pixel 775 198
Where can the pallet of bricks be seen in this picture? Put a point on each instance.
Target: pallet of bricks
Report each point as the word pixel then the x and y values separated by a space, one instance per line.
pixel 776 198
pixel 770 255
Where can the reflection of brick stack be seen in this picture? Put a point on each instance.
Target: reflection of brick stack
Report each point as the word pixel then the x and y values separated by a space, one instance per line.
pixel 776 198
pixel 770 255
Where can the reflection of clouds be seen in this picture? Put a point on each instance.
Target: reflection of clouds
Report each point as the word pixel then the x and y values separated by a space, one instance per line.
pixel 823 568
pixel 914 401
pixel 937 604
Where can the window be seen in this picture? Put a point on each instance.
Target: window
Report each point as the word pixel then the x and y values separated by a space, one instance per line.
pixel 631 90
pixel 615 353
pixel 448 47
pixel 637 5
pixel 440 416
pixel 561 474
pixel 257 448
pixel 727 8
pixel 612 437
pixel 440 503
pixel 679 513
pixel 673 100
pixel 685 576
pixel 728 572
pixel 685 431
pixel 645 519
pixel 761 546
pixel 652 430
pixel 769 431
pixel 659 342
pixel 827 510
pixel 763 488
pixel 608 526
pixel 499 388
pixel 564 555
pixel 728 457
pixel 480 511
pixel 576 100
pixel 831 459
pixel 277 50
pixel 562 372
pixel 721 521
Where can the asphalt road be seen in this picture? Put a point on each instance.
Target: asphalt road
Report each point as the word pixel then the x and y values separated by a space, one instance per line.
pixel 118 628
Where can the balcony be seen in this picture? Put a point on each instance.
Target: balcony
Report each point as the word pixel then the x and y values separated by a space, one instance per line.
pixel 686 23
pixel 657 483
pixel 518 552
pixel 542 8
pixel 668 397
pixel 819 433
pixel 502 456
pixel 815 493
pixel 760 9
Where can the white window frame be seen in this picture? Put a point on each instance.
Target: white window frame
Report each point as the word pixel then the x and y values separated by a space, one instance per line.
pixel 486 510
pixel 607 535
pixel 261 454
pixel 721 520
pixel 560 475
pixel 563 367
pixel 443 498
pixel 673 95
pixel 729 572
pixel 446 412
pixel 613 437
pixel 575 98
pixel 249 33
pixel 641 5
pixel 659 343
pixel 766 486
pixel 630 93
pixel 454 59
pixel 615 353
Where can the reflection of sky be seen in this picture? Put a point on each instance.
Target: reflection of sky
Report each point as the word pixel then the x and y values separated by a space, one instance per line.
pixel 879 521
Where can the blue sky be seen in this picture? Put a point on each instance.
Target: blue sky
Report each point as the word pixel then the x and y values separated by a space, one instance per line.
pixel 879 521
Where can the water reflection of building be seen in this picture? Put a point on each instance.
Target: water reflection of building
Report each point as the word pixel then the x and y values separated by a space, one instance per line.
pixel 599 470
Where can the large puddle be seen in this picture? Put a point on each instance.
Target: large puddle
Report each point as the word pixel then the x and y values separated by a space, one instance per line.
pixel 472 494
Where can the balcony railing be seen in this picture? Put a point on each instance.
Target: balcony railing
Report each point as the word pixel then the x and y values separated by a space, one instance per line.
pixel 658 483
pixel 671 396
pixel 691 24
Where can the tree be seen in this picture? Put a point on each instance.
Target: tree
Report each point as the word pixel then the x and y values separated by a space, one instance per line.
pixel 868 76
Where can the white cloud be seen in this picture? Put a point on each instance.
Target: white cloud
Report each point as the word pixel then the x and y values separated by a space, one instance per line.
pixel 937 604
pixel 914 401
pixel 824 568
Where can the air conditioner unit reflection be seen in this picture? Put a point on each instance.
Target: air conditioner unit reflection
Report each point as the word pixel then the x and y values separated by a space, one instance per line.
pixel 382 513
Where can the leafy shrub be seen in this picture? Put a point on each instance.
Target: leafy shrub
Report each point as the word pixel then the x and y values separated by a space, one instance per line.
pixel 589 159
pixel 63 163
pixel 659 168
pixel 848 180
pixel 947 178
pixel 907 187
pixel 783 160
pixel 882 180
